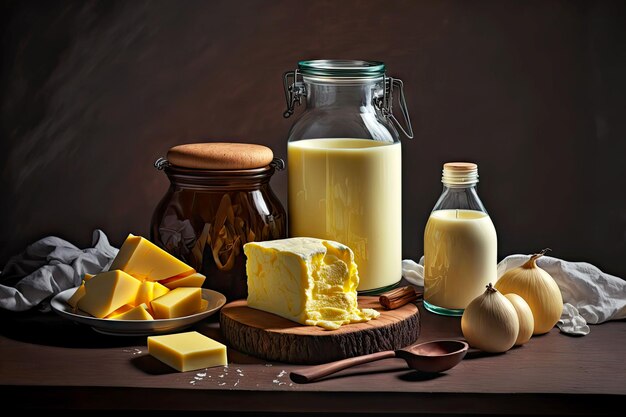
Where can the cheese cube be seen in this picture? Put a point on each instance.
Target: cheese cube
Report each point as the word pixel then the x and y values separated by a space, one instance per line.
pixel 87 277
pixel 150 290
pixel 145 293
pixel 179 302
pixel 306 280
pixel 193 280
pixel 107 292
pixel 136 313
pixel 187 351
pixel 123 309
pixel 78 294
pixel 146 261
pixel 159 290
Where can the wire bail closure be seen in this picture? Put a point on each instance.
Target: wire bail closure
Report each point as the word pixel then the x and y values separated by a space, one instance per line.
pixel 278 164
pixel 161 163
pixel 385 105
pixel 295 89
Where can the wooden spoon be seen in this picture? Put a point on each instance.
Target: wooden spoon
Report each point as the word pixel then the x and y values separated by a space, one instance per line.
pixel 432 357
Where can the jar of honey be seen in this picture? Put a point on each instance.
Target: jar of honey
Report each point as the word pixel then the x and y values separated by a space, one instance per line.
pixel 345 164
pixel 219 198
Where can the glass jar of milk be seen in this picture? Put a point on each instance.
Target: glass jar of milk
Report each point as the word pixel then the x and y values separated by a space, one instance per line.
pixel 344 163
pixel 460 244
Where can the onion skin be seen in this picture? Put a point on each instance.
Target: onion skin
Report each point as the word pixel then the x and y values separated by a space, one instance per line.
pixel 490 322
pixel 538 289
pixel 525 317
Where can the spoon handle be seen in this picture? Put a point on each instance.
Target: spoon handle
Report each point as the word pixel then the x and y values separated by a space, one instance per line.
pixel 313 373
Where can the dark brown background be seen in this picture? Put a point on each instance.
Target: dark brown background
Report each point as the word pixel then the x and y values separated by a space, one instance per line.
pixel 534 92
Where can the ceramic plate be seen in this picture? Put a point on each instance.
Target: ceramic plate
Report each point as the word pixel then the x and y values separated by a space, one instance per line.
pixel 136 327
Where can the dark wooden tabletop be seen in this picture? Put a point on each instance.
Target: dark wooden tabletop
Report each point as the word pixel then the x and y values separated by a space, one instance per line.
pixel 47 362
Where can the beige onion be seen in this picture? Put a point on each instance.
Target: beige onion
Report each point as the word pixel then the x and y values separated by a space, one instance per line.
pixel 524 316
pixel 538 289
pixel 490 322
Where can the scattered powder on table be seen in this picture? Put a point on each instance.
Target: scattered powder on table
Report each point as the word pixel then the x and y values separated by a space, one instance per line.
pixel 280 375
pixel 198 377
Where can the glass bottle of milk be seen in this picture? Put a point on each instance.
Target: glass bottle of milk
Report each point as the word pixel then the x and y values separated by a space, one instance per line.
pixel 344 163
pixel 460 244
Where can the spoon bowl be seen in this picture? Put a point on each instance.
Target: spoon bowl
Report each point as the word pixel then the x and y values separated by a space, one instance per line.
pixel 435 356
pixel 430 357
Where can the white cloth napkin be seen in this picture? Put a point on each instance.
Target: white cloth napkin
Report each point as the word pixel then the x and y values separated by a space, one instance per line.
pixel 590 296
pixel 49 266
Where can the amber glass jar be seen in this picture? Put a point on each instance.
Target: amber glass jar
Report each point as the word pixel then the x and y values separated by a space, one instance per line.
pixel 208 214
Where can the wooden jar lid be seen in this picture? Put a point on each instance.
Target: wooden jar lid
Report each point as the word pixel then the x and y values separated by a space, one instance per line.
pixel 220 155
pixel 460 166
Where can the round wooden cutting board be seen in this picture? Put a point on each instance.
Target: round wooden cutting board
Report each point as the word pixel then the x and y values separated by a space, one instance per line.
pixel 274 338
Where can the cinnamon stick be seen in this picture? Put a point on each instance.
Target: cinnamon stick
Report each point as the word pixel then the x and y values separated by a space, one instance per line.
pixel 398 297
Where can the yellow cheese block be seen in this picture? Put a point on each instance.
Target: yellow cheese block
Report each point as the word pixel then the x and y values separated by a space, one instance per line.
pixel 87 277
pixel 310 281
pixel 181 301
pixel 107 292
pixel 78 294
pixel 187 351
pixel 194 280
pixel 123 309
pixel 136 313
pixel 159 290
pixel 149 290
pixel 146 261
pixel 145 293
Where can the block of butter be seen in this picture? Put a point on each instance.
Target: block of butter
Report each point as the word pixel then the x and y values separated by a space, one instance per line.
pixel 306 280
pixel 187 351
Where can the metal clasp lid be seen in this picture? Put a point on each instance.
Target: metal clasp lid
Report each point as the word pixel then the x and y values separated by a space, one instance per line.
pixel 294 90
pixel 385 105
pixel 278 164
pixel 161 163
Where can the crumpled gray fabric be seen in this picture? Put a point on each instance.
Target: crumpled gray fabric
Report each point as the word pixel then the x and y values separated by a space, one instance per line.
pixel 589 295
pixel 49 266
